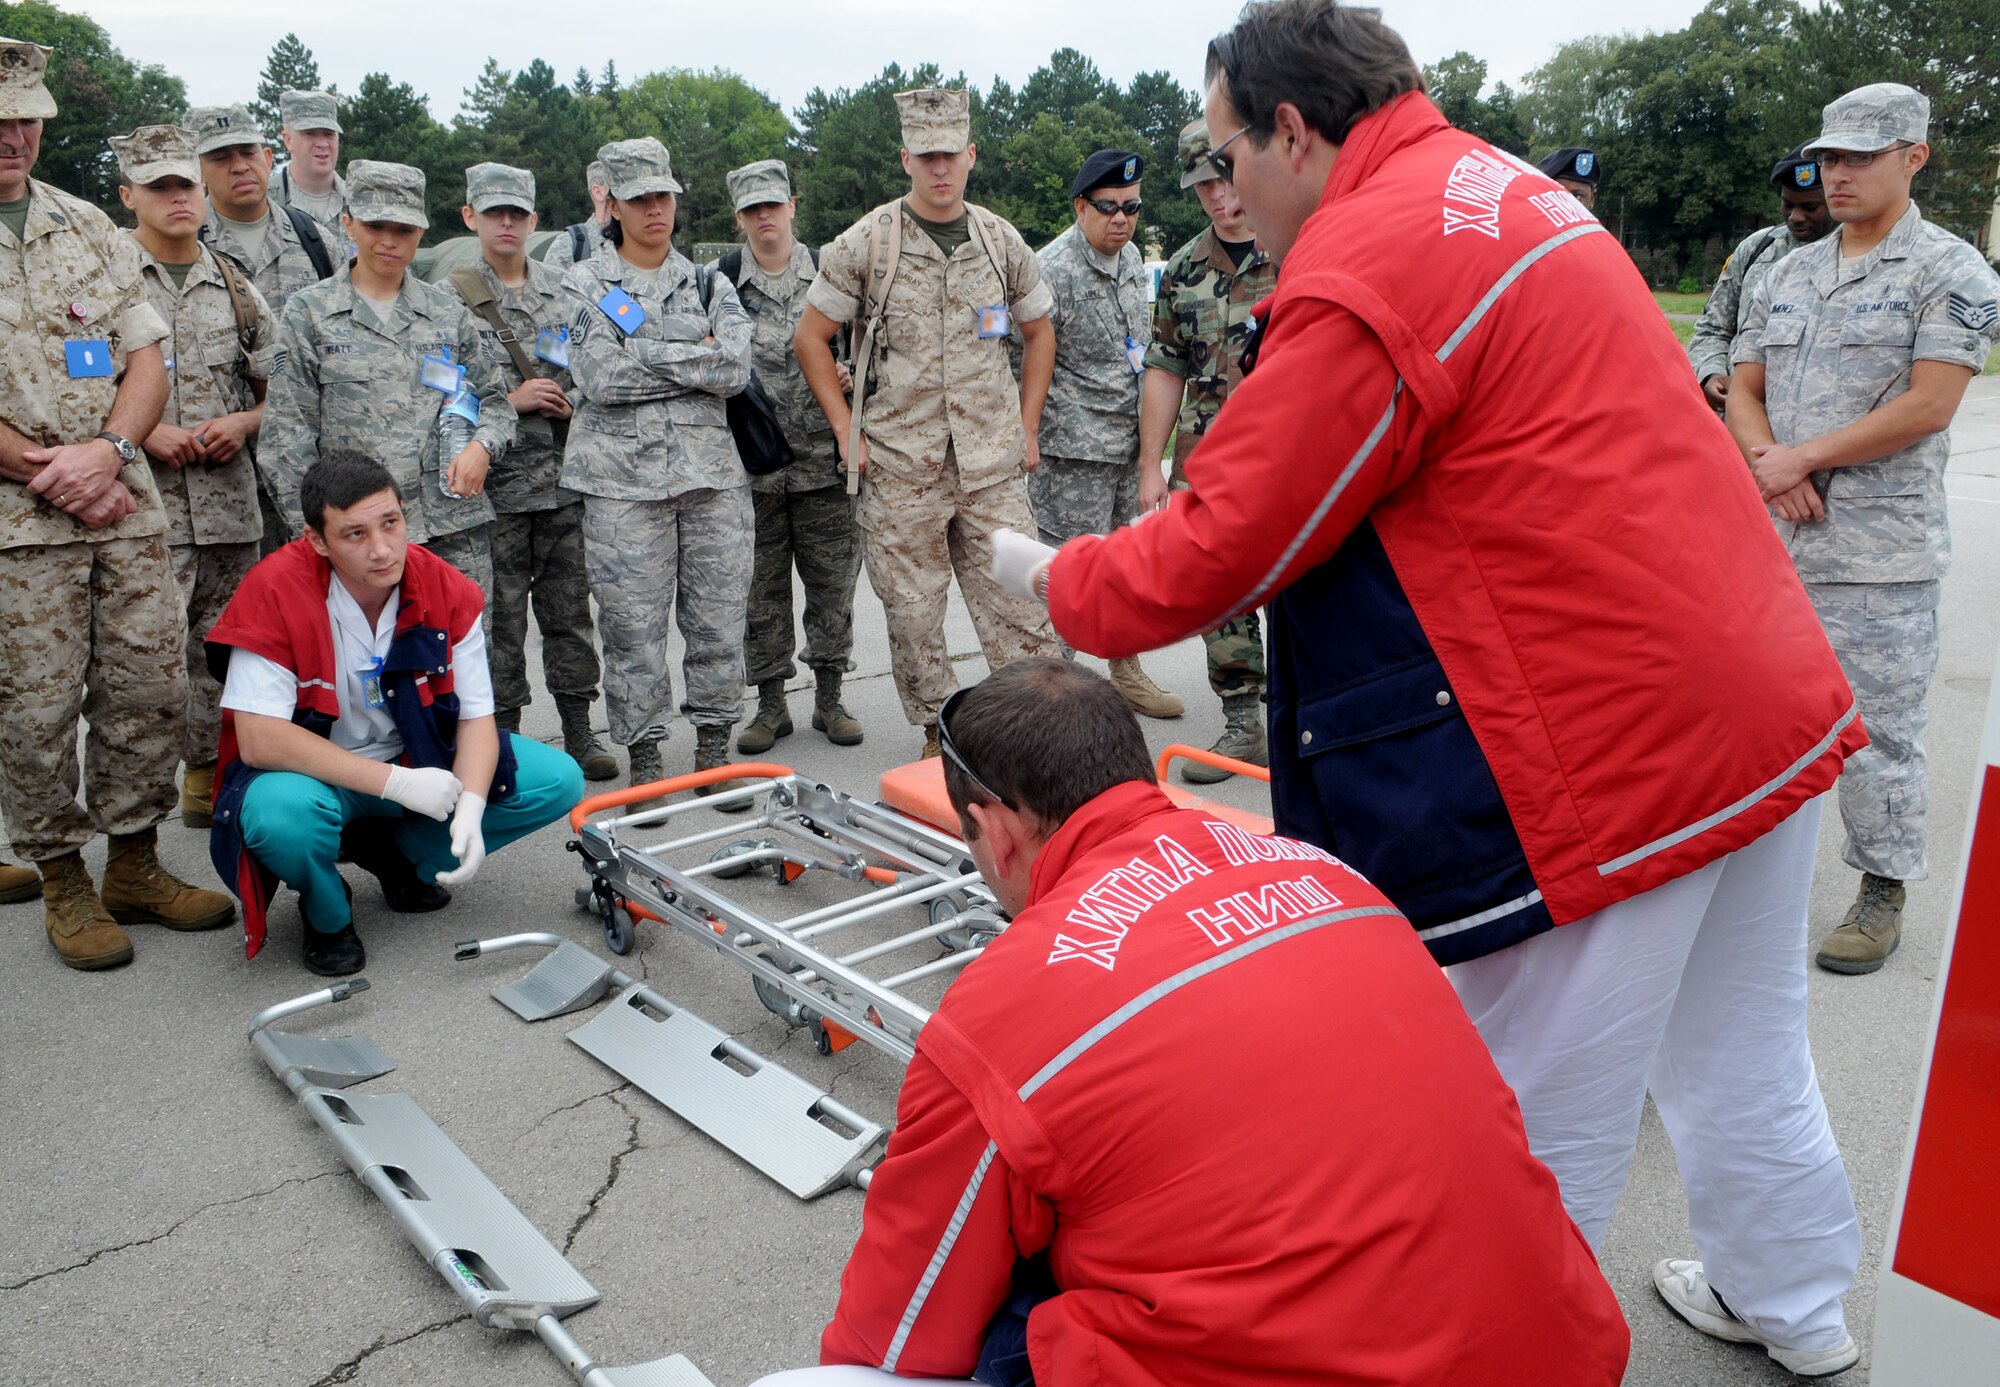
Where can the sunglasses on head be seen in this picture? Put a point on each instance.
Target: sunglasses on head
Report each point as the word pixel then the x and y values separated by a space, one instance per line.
pixel 952 754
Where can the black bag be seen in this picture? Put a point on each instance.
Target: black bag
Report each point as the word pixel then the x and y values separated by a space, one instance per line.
pixel 753 420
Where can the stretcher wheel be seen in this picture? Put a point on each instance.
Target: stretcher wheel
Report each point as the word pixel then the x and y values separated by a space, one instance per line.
pixel 618 930
pixel 822 1041
pixel 586 897
pixel 736 849
pixel 945 909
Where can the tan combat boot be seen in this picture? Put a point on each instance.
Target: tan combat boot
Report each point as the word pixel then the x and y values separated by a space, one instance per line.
pixel 830 716
pixel 773 720
pixel 198 796
pixel 933 748
pixel 18 883
pixel 83 934
pixel 1870 933
pixel 139 891
pixel 711 749
pixel 1141 694
pixel 1242 738
pixel 580 742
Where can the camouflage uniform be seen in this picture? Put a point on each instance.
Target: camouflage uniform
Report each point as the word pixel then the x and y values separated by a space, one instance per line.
pixel 1201 322
pixel 561 252
pixel 95 625
pixel 313 110
pixel 285 194
pixel 1754 257
pixel 1837 342
pixel 1088 483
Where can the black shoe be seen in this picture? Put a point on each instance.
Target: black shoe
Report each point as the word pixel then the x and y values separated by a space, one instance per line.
pixel 371 846
pixel 334 955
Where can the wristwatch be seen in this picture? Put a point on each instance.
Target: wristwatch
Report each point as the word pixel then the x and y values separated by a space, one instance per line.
pixel 127 452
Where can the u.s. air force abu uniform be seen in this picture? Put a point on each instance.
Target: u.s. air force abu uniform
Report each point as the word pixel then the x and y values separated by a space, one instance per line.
pixel 303 111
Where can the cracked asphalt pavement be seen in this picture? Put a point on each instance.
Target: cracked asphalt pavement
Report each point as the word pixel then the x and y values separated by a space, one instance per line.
pixel 169 1216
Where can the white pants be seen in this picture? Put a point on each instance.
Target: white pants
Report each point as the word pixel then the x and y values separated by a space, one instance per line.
pixel 1697 990
pixel 842 1375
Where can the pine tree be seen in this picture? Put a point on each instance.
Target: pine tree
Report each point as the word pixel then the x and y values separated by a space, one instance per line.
pixel 291 67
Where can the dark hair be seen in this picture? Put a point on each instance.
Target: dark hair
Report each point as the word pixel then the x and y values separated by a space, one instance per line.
pixel 1335 62
pixel 1048 735
pixel 341 478
pixel 614 231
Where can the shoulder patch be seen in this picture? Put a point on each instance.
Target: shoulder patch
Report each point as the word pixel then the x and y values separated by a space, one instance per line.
pixel 1976 316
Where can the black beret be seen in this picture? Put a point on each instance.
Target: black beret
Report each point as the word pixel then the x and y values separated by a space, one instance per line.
pixel 1573 162
pixel 1108 168
pixel 1795 171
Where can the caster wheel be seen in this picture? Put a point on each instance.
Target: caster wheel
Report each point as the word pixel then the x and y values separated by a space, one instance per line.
pixel 776 1000
pixel 736 849
pixel 947 908
pixel 822 1042
pixel 585 898
pixel 618 930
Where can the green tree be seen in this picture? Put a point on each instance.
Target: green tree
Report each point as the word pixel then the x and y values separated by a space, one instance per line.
pixel 1042 162
pixel 98 91
pixel 710 122
pixel 844 154
pixel 533 121
pixel 291 67
pixel 1156 107
pixel 1456 84
pixel 391 120
pixel 1574 97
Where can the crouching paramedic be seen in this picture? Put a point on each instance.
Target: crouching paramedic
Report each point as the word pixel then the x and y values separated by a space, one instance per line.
pixel 358 714
pixel 1205 1113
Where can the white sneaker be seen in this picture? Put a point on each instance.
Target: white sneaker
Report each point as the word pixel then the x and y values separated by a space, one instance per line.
pixel 1682 1284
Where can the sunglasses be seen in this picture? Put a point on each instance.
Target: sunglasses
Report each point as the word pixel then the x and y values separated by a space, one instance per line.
pixel 1224 164
pixel 1130 207
pixel 1834 158
pixel 951 752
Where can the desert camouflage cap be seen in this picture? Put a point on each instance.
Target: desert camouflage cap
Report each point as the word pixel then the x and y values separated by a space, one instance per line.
pixel 1195 167
pixel 764 181
pixel 492 185
pixel 221 127
pixel 596 176
pixel 23 94
pixel 153 152
pixel 936 120
pixel 637 167
pixel 381 192
pixel 309 111
pixel 1873 117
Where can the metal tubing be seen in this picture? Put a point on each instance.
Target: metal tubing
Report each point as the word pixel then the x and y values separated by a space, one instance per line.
pixel 950 961
pixel 915 891
pixel 901 941
pixel 339 992
pixel 500 943
pixel 695 840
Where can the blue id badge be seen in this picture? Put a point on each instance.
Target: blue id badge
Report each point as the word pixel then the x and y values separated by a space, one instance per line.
pixel 623 310
pixel 1135 354
pixel 371 685
pixel 464 404
pixel 442 374
pixel 994 321
pixel 87 359
pixel 552 346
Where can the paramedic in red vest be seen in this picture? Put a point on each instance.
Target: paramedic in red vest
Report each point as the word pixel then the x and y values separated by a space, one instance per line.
pixel 1539 666
pixel 358 715
pixel 1206 1113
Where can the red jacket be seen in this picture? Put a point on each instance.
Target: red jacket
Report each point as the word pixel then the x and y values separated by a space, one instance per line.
pixel 1217 1080
pixel 1462 371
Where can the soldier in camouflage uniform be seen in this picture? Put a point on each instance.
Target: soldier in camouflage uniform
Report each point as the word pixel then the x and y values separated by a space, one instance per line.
pixel 804 515
pixel 948 434
pixel 1201 324
pixel 94 622
pixel 1806 220
pixel 561 253
pixel 537 534
pixel 666 511
pixel 310 129
pixel 1853 357
pixel 221 344
pixel 1088 483
pixel 351 375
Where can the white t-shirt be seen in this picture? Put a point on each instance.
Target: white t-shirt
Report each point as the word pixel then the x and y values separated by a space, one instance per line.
pixel 265 687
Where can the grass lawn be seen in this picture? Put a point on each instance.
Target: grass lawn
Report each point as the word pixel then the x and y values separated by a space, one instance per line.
pixel 1685 330
pixel 1993 364
pixel 1680 303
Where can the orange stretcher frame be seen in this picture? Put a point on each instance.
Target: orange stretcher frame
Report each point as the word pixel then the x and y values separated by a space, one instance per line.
pixel 918 790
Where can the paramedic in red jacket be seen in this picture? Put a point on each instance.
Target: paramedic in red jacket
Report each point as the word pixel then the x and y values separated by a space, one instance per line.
pixel 1537 656
pixel 1206 1112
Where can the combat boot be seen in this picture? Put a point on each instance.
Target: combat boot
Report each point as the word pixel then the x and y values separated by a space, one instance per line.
pixel 842 728
pixel 580 742
pixel 139 891
pixel 18 883
pixel 83 934
pixel 1870 933
pixel 647 767
pixel 711 749
pixel 933 748
pixel 1242 738
pixel 773 719
pixel 508 720
pixel 1141 694
pixel 198 796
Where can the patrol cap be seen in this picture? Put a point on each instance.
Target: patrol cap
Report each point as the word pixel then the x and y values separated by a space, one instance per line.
pixel 767 180
pixel 1872 118
pixel 595 176
pixel 23 94
pixel 221 127
pixel 1573 162
pixel 381 192
pixel 1195 167
pixel 1108 168
pixel 309 111
pixel 491 185
pixel 634 168
pixel 153 152
pixel 936 120
pixel 1795 171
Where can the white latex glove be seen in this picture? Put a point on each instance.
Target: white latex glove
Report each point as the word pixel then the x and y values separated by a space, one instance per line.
pixel 427 790
pixel 468 844
pixel 1018 561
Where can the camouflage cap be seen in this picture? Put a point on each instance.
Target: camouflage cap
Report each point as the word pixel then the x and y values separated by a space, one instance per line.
pixel 309 111
pixel 596 176
pixel 767 180
pixel 492 185
pixel 936 120
pixel 1871 118
pixel 221 127
pixel 23 95
pixel 637 167
pixel 153 152
pixel 379 192
pixel 1195 167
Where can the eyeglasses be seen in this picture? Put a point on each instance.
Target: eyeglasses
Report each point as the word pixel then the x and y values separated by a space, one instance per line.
pixel 951 752
pixel 1130 207
pixel 1225 168
pixel 1855 159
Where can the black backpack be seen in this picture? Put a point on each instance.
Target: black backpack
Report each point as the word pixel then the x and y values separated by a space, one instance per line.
pixel 753 419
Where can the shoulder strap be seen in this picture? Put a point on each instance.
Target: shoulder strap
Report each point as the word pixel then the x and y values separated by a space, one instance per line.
pixel 471 286
pixel 313 243
pixel 704 283
pixel 885 251
pixel 731 265
pixel 579 243
pixel 812 254
pixel 240 302
pixel 985 228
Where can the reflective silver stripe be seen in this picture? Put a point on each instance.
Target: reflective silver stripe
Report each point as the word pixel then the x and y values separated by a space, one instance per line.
pixel 1501 285
pixel 1762 792
pixel 1505 908
pixel 945 1244
pixel 316 684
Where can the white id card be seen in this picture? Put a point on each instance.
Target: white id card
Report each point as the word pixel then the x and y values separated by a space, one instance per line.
pixel 552 346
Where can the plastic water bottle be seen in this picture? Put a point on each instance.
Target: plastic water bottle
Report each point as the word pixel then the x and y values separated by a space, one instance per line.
pixel 456 422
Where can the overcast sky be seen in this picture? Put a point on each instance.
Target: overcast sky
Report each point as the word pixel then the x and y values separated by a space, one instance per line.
pixel 784 47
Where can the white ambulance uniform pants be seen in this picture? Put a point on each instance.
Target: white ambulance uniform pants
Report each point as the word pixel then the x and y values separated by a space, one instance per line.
pixel 843 1375
pixel 1695 990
